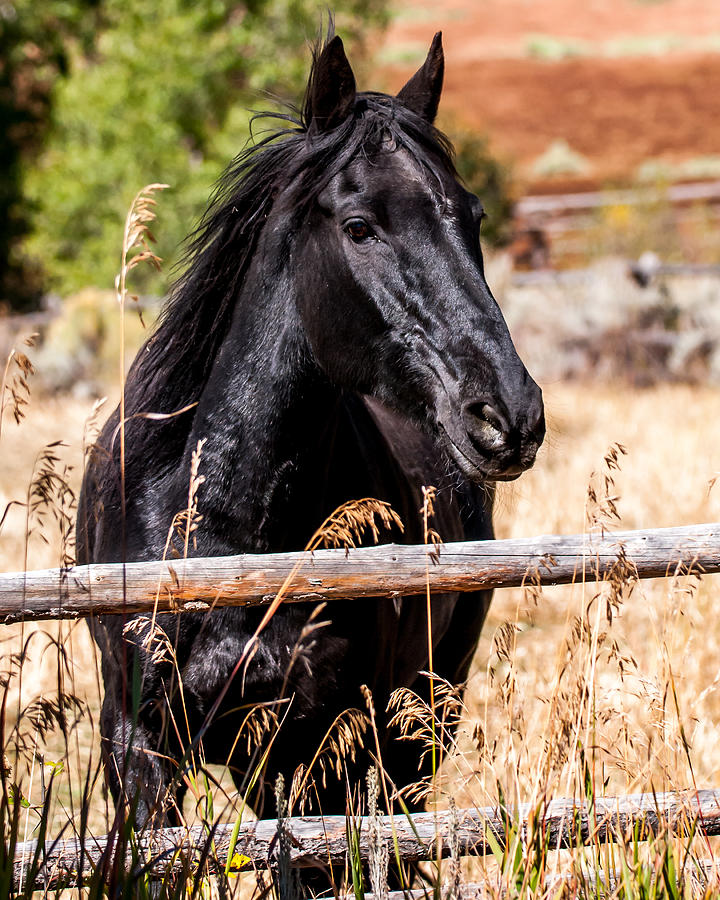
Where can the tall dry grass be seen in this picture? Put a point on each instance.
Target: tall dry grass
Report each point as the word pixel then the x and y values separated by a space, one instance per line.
pixel 575 691
pixel 541 652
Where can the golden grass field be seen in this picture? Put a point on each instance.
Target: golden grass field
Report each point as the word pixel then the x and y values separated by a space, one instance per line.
pixel 537 694
pixel 665 632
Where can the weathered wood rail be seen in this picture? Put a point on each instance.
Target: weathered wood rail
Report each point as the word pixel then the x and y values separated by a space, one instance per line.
pixel 314 840
pixel 388 570
pixel 708 191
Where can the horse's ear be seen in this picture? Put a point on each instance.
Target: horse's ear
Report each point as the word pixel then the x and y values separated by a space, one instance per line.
pixel 330 93
pixel 422 93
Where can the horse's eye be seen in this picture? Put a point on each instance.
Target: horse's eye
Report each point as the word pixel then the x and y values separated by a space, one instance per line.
pixel 358 230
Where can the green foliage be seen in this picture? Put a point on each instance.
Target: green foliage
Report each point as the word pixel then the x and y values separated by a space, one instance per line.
pixel 162 95
pixel 552 48
pixel 558 160
pixel 659 171
pixel 34 43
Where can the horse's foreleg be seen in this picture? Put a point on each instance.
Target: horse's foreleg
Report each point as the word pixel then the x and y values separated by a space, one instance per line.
pixel 142 777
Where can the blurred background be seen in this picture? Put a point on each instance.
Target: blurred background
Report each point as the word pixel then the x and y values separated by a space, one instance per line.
pixel 591 132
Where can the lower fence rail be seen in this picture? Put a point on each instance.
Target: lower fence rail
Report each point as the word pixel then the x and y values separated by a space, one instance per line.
pixel 316 840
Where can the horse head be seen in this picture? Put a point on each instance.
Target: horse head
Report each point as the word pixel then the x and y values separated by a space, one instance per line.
pixel 395 303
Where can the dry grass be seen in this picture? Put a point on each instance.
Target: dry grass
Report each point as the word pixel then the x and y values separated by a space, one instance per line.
pixel 672 434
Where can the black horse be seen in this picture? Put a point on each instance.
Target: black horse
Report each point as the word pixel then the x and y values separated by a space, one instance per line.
pixel 336 335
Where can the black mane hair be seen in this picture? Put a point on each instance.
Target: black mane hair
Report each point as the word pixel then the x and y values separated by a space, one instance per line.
pixel 171 371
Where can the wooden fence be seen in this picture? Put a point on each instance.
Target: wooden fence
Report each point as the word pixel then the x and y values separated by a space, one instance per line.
pixel 315 841
pixel 680 194
pixel 388 570
pixel 382 571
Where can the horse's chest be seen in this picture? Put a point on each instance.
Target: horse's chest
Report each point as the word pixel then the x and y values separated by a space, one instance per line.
pixel 319 663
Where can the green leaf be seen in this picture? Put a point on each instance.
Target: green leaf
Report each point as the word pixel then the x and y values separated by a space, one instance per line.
pixel 16 796
pixel 115 125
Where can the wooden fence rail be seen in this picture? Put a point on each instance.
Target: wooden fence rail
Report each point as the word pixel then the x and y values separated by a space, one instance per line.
pixel 314 840
pixel 388 570
pixel 548 204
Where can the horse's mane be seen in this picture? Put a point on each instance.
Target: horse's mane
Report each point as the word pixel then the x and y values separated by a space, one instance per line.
pixel 172 369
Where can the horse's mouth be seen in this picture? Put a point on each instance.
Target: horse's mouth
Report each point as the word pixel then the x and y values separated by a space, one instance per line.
pixel 477 468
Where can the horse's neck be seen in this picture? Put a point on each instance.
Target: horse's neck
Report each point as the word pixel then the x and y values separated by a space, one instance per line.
pixel 274 429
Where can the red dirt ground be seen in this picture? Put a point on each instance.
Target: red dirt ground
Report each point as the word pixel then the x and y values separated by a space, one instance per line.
pixel 616 112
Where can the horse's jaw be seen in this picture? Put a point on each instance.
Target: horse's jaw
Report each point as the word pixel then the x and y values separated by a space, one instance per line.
pixel 474 469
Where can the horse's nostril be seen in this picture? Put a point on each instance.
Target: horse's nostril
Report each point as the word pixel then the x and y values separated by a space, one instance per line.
pixel 485 425
pixel 486 413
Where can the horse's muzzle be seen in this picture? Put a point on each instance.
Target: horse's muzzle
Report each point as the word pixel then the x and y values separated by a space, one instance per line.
pixel 491 444
pixel 505 446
